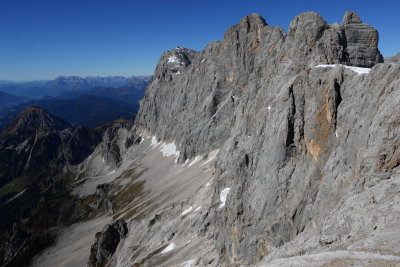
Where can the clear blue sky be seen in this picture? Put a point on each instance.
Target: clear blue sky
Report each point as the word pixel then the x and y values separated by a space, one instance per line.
pixel 41 39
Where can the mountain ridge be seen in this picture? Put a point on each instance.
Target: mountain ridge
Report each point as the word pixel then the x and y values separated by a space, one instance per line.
pixel 62 84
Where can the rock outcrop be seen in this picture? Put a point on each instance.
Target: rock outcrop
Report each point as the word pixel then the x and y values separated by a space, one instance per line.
pixel 106 243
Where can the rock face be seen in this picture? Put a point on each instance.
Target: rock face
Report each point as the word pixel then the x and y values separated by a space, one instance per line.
pixel 251 55
pixel 306 151
pixel 360 41
pixel 106 243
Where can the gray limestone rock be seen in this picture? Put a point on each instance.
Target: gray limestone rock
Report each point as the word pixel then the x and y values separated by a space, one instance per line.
pixel 308 155
pixel 296 141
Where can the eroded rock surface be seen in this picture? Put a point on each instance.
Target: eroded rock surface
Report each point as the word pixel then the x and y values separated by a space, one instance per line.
pixel 266 148
pixel 300 145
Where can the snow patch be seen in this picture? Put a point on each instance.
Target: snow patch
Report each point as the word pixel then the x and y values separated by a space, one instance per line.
pixel 112 172
pixel 196 159
pixel 16 196
pixel 169 149
pixel 336 134
pixel 358 70
pixel 223 196
pixel 187 211
pixel 176 61
pixel 21 146
pixel 168 248
pixel 186 162
pixel 211 156
pixel 189 263
pixel 197 209
pixel 154 142
pixel 173 59
pixel 269 108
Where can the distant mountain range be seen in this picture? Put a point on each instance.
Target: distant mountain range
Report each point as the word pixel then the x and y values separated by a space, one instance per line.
pixel 35 82
pixel 89 101
pixel 39 89
pixel 127 94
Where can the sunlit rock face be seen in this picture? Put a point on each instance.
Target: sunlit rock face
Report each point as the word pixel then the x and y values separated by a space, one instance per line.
pixel 304 126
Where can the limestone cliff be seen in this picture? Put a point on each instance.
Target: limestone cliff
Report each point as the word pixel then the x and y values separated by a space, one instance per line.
pixel 306 148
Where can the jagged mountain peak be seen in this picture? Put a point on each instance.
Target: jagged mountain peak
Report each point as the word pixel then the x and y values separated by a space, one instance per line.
pixel 253 19
pixel 180 56
pixel 37 132
pixel 174 61
pixel 36 120
pixel 351 17
pixel 308 21
pixel 350 43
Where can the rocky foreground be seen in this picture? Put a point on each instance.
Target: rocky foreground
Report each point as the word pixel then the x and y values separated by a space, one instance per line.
pixel 266 148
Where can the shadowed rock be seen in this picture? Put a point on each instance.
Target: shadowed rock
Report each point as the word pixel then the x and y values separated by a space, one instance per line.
pixel 106 243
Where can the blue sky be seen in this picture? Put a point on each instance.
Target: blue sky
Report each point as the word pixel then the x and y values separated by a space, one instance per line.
pixel 41 39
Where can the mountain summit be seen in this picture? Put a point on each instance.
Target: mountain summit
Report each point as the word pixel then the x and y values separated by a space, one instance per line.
pixel 36 120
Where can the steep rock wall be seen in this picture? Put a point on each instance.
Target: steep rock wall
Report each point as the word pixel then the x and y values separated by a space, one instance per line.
pixel 296 141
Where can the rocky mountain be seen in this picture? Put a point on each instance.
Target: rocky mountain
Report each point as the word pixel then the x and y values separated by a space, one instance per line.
pixel 35 138
pixel 69 83
pixel 268 148
pixel 37 155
